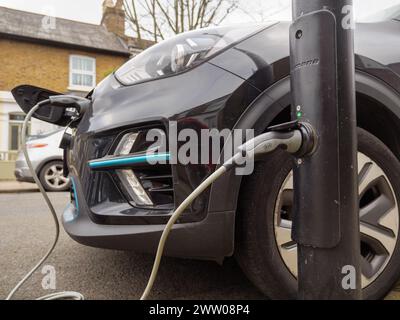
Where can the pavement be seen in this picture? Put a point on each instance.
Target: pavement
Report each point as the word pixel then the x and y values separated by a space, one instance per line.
pixel 17 187
pixel 27 230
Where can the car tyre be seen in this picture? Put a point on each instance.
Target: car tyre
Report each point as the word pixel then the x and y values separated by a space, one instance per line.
pixel 257 251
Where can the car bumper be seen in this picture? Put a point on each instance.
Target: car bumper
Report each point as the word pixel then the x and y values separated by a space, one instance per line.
pixel 210 239
pixel 205 240
pixel 23 175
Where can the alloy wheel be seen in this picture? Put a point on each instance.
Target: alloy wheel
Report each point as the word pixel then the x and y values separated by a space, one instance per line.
pixel 379 221
pixel 54 177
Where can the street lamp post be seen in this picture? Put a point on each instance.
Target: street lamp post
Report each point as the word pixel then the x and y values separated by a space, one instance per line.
pixel 326 222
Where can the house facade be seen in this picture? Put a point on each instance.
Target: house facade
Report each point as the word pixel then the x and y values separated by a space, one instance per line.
pixel 58 54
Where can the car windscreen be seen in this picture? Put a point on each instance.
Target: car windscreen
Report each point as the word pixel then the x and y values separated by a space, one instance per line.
pixel 364 10
pixel 44 135
pixel 390 13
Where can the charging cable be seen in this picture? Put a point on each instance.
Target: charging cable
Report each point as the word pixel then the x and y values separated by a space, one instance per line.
pixel 263 144
pixel 55 296
pixel 293 140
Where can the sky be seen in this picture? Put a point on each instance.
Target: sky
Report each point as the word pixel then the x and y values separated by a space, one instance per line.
pixel 90 10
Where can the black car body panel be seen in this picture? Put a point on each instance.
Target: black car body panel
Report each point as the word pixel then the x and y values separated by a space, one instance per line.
pixel 138 107
pixel 246 86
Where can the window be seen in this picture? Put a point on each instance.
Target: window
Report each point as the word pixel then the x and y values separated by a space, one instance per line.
pixel 16 122
pixel 82 73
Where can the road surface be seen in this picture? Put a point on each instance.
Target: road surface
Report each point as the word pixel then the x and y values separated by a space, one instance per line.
pixel 26 232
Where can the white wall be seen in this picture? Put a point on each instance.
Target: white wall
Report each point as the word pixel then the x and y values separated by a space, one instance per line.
pixel 7 105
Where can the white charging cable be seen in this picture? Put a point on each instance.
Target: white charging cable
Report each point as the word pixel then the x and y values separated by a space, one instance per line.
pixel 55 296
pixel 174 218
pixel 263 144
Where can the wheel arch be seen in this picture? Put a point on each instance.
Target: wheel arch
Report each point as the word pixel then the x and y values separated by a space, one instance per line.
pixel 378 112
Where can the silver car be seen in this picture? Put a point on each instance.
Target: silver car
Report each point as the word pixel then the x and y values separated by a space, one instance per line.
pixel 47 159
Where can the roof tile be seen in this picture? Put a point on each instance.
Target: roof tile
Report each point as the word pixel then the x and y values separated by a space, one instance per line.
pixel 29 25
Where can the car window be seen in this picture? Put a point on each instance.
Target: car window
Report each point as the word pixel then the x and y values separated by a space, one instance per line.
pixel 45 135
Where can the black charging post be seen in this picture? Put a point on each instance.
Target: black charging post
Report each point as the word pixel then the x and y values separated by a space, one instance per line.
pixel 326 221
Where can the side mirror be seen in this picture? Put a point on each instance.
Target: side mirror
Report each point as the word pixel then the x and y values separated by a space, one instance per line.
pixel 55 112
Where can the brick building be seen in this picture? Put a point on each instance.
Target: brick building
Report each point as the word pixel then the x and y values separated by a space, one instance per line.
pixel 58 54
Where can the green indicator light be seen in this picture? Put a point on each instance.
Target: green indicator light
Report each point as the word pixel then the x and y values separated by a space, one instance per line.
pixel 299 114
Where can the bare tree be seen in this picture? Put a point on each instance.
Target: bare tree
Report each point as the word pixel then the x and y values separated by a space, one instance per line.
pixel 158 19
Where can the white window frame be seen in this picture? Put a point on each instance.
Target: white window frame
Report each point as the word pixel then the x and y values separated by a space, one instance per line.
pixel 18 124
pixel 71 71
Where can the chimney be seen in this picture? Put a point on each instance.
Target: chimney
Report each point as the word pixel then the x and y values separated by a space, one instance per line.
pixel 114 17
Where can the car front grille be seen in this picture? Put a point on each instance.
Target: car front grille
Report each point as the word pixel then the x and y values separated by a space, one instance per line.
pixel 158 183
pixel 157 180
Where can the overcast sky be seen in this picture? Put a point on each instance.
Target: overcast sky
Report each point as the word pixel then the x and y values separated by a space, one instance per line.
pixel 90 10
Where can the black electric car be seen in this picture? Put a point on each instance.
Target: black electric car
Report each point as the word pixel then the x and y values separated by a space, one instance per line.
pixel 229 78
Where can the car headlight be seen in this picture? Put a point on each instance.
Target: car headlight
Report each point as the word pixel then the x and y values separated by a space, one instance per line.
pixel 182 53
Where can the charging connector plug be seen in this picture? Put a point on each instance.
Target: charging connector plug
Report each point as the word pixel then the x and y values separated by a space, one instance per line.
pixel 295 138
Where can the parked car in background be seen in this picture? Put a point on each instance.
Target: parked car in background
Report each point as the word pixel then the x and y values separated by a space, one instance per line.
pixel 47 159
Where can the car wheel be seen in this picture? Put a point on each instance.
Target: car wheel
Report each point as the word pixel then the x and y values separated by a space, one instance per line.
pixel 52 178
pixel 265 250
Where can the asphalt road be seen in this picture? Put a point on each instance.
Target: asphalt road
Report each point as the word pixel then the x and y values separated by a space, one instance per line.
pixel 26 232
